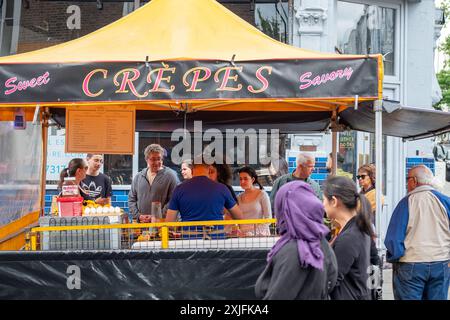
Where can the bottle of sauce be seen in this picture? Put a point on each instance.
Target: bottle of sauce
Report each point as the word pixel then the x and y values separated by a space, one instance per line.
pixel 70 188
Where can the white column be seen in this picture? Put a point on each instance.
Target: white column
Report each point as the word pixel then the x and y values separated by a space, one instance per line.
pixel 311 24
pixel 378 108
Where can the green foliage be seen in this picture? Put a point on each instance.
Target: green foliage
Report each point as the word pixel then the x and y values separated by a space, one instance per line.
pixel 443 76
pixel 270 27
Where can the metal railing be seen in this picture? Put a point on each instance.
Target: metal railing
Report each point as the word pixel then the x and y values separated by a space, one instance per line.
pixel 223 234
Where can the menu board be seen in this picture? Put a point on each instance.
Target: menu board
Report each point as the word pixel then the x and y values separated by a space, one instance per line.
pixel 100 130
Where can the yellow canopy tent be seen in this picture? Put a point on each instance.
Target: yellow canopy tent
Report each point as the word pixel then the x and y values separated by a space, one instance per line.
pixel 227 52
pixel 187 55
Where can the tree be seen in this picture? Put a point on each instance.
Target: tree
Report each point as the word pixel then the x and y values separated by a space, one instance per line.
pixel 443 76
pixel 270 26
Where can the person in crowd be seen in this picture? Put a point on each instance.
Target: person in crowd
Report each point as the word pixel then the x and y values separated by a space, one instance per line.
pixel 222 173
pixel 418 240
pixel 351 211
pixel 96 186
pixel 366 179
pixel 340 162
pixel 301 264
pixel 186 169
pixel 202 199
pixel 305 166
pixel 254 203
pixel 155 183
pixel 77 168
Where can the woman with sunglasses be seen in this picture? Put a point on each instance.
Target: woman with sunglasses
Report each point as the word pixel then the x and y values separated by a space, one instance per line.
pixel 366 180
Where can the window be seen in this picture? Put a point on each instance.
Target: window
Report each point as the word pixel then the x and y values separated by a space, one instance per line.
pixel 119 168
pixel 267 173
pixel 347 143
pixel 366 29
pixel 7 31
pixel 272 19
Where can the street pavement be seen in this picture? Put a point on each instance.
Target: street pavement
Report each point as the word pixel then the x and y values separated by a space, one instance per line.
pixel 447 189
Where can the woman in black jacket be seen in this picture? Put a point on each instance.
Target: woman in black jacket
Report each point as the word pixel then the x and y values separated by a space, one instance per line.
pixel 351 211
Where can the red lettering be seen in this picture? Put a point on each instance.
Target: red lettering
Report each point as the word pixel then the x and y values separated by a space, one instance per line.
pixel 10 84
pixel 261 78
pixel 226 78
pixel 126 82
pixel 87 79
pixel 196 78
pixel 159 78
pixel 25 84
pixel 305 78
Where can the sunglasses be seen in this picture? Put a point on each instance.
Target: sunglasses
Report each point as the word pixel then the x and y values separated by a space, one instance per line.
pixel 363 176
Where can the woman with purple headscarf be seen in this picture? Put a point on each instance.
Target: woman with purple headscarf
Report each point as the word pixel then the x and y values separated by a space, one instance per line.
pixel 301 265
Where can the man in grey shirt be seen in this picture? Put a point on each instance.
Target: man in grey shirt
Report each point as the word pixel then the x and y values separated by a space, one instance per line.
pixel 305 166
pixel 153 184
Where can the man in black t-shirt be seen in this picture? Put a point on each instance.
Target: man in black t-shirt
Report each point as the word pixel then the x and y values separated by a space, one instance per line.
pixel 96 186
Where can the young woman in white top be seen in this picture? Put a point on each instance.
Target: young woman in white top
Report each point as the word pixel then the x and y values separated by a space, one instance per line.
pixel 254 203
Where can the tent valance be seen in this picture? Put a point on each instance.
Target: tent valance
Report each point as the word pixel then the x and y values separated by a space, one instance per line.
pixel 190 81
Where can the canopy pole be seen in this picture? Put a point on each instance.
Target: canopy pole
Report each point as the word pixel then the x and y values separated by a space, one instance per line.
pixel 378 109
pixel 334 153
pixel 44 124
pixel 334 133
pixel 184 124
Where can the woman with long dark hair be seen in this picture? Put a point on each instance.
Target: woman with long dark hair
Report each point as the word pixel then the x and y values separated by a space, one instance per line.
pixel 301 265
pixel 222 173
pixel 254 203
pixel 351 211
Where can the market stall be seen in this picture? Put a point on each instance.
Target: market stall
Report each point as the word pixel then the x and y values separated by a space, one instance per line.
pixel 199 59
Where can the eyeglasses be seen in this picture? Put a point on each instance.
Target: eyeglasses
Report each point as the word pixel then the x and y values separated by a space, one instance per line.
pixel 362 176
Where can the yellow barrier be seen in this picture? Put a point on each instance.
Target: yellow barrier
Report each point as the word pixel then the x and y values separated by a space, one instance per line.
pixel 162 226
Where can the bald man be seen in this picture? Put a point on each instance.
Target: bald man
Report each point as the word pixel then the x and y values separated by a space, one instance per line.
pixel 418 240
pixel 305 167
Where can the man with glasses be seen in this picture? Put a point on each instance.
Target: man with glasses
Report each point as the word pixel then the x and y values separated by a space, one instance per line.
pixel 96 186
pixel 153 184
pixel 418 240
pixel 305 166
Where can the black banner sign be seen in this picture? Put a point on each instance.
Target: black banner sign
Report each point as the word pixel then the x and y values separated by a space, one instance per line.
pixel 188 80
pixel 205 274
